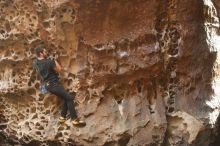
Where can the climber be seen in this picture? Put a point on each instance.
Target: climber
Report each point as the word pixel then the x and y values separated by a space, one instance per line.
pixel 49 70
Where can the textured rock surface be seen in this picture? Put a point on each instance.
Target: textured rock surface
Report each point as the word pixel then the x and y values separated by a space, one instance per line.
pixel 145 72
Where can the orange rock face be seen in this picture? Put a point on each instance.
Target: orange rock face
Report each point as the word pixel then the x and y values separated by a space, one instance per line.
pixel 141 72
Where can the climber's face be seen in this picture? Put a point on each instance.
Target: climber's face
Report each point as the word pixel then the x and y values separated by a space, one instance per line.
pixel 44 54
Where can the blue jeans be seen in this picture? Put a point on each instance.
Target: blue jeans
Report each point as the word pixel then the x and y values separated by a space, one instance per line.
pixel 59 91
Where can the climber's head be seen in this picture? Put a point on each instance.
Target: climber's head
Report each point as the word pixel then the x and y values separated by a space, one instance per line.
pixel 41 52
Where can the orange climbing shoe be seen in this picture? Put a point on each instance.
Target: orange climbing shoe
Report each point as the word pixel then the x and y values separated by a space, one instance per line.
pixel 78 122
pixel 62 119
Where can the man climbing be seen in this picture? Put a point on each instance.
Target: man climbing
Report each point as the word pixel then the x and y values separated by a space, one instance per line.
pixel 49 70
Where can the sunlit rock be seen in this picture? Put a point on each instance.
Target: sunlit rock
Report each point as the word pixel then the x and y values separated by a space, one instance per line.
pixel 143 72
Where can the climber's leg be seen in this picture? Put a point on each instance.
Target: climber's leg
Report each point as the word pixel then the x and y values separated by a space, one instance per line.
pixel 68 100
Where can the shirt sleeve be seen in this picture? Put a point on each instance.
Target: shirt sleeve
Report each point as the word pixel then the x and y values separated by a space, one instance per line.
pixel 52 64
pixel 34 64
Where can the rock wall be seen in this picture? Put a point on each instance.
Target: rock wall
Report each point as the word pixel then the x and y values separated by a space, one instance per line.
pixel 143 72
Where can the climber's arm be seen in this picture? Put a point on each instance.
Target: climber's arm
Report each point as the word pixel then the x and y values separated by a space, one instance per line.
pixel 57 67
pixel 32 77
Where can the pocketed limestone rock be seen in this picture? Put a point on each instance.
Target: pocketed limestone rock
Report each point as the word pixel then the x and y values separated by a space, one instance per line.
pixel 141 72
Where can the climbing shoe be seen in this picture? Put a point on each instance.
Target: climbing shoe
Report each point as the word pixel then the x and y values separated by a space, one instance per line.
pixel 62 119
pixel 78 122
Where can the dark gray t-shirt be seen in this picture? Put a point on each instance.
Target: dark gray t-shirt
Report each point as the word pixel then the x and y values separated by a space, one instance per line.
pixel 45 69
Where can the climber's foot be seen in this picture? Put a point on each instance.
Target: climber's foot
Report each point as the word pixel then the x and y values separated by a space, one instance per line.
pixel 79 123
pixel 62 120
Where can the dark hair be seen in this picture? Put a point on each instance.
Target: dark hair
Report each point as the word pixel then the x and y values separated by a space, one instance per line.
pixel 39 50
